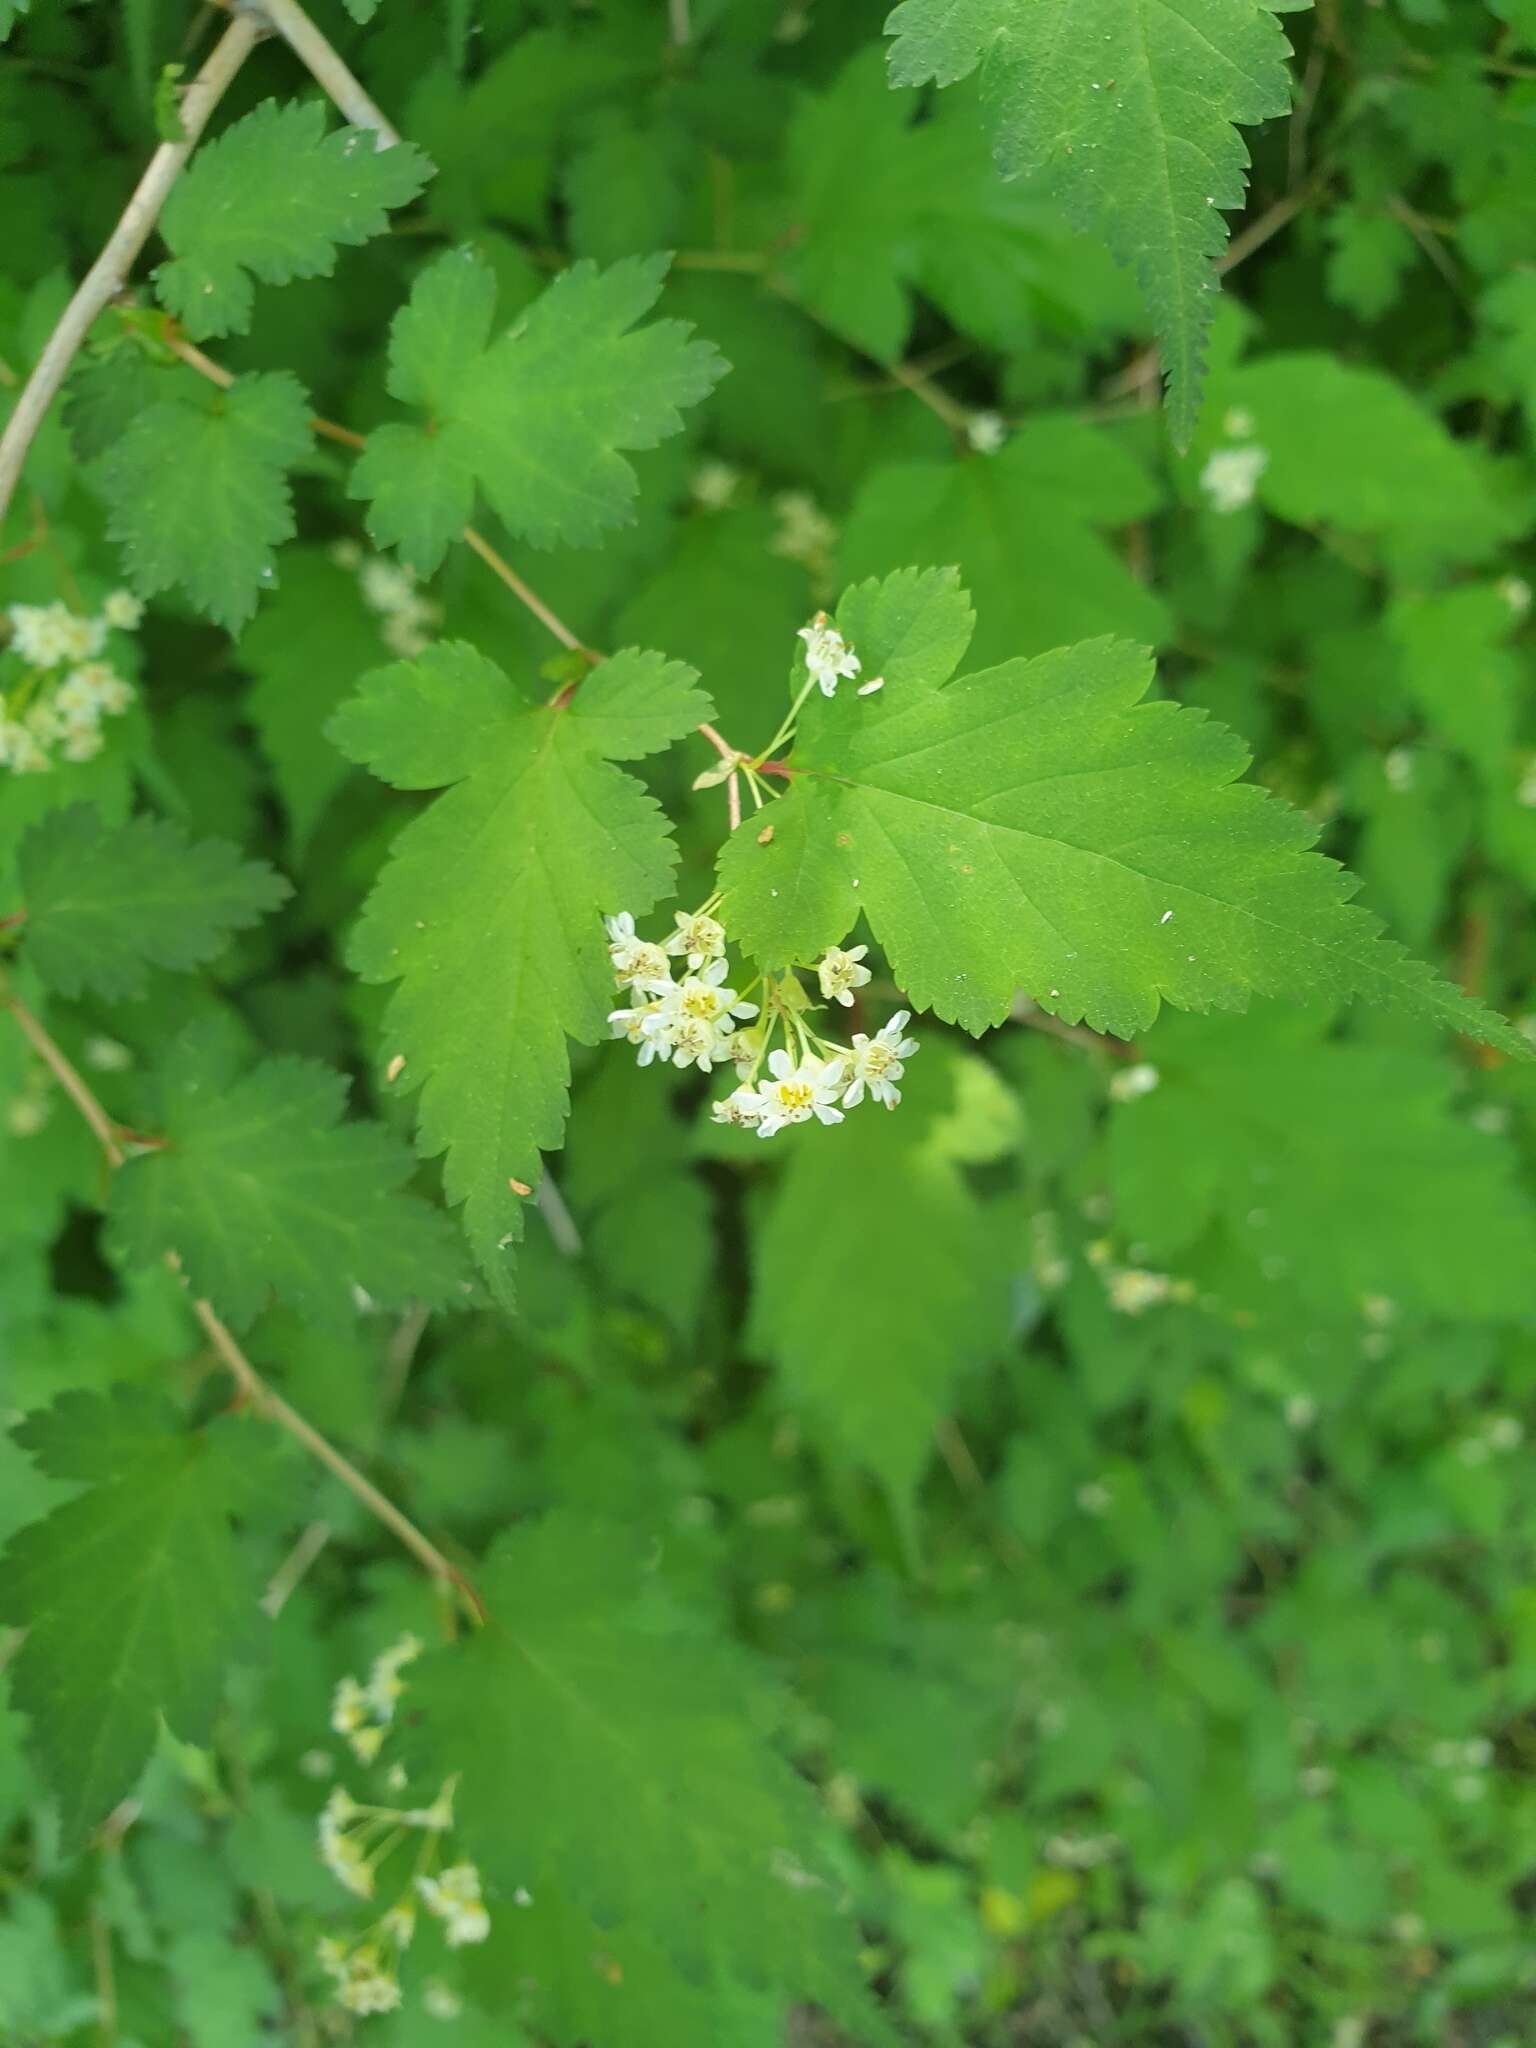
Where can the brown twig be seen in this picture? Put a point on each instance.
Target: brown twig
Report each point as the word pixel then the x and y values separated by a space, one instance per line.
pixel 264 1399
pixel 1026 1012
pixel 326 67
pixel 108 274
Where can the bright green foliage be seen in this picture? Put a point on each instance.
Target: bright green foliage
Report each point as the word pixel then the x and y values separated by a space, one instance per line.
pixel 845 1275
pixel 538 417
pixel 1039 826
pixel 1337 1172
pixel 588 1696
pixel 489 913
pixel 886 206
pixel 305 648
pixel 11 12
pixel 1352 449
pixel 198 491
pixel 1023 528
pixel 105 903
pixel 1126 108
pixel 134 1594
pixel 273 198
pixel 261 1188
pixel 1049 1560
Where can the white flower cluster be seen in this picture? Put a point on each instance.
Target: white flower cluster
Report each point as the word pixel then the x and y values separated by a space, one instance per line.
pixel 409 620
pixel 362 1713
pixel 805 535
pixel 698 1021
pixel 66 689
pixel 454 1898
pixel 1132 1290
pixel 355 1837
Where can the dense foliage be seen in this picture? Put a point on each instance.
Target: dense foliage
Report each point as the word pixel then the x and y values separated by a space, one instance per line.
pixel 765 1076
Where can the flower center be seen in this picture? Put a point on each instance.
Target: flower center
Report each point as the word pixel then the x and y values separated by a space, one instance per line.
pixel 796 1094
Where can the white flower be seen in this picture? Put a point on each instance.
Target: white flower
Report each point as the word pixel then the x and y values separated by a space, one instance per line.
pixel 407 633
pixel 341 1852
pixel 840 974
pixel 986 432
pixel 702 999
pixel 352 1717
pixel 744 1049
pixel 44 722
pixel 701 938
pixel 876 1064
pixel 1398 768
pixel 76 699
pixel 794 1094
pixel 82 743
pixel 21 751
pixel 349 1707
pixel 1516 593
pixel 647 1030
pixel 439 2001
pixel 385 1684
pixel 98 685
pixel 694 1043
pixel 386 586
pixel 25 1115
pixel 454 1898
pixel 805 532
pixel 639 962
pixel 1232 475
pixel 123 610
pixel 828 657
pixel 1132 1291
pixel 45 635
pixel 741 1107
pixel 363 1984
pixel 713 484
pixel 1132 1082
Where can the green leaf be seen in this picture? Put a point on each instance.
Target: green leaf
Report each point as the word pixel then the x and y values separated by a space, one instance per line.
pixel 1351 448
pixel 1038 826
pixel 273 198
pixel 306 648
pixel 1329 1172
pixel 489 912
pixel 105 902
pixel 1043 499
pixel 539 417
pixel 587 1697
pixel 11 12
pixel 886 205
pixel 259 1188
pixel 198 494
pixel 1126 108
pixel 923 1289
pixel 134 1595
